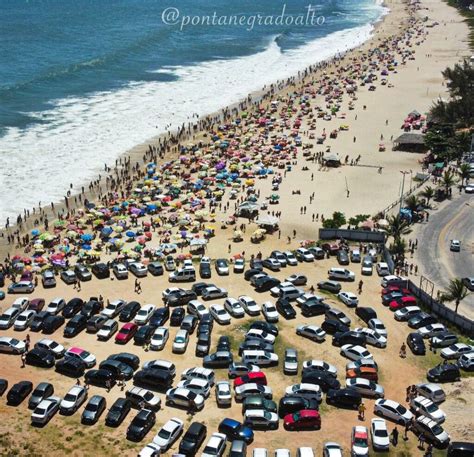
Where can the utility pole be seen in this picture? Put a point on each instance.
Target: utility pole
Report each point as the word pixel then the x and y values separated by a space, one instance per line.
pixel 403 186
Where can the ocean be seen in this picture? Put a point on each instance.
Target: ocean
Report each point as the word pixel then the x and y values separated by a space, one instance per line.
pixel 83 81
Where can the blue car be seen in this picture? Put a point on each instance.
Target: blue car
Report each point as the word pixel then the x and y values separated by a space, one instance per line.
pixel 235 430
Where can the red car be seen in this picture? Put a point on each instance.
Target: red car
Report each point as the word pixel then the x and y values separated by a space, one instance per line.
pixel 304 419
pixel 256 377
pixel 126 333
pixel 402 302
pixel 390 289
pixel 37 304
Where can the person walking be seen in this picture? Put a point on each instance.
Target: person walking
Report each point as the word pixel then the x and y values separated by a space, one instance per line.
pixel 108 385
pixel 360 286
pixel 421 442
pixel 395 436
pixel 361 410
pixel 23 360
pixel 403 351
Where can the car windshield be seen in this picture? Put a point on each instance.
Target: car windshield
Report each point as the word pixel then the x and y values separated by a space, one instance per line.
pixel 436 429
pixel 400 409
pixel 40 411
pixel 148 396
pixel 140 421
pixel 360 442
pixel 14 341
pixel 431 408
pixel 291 359
pixel 381 433
pixel 70 397
pixel 165 434
pixel 221 312
pixel 84 354
pixel 210 450
pixel 92 407
pixel 143 312
pixel 179 339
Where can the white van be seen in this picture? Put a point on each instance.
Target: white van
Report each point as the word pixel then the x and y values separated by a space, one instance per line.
pixel 259 358
pixel 187 274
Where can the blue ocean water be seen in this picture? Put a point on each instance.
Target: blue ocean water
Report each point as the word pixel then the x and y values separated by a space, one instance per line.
pixel 82 81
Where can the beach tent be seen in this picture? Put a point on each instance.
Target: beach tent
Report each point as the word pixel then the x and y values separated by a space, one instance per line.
pixel 332 159
pixel 267 219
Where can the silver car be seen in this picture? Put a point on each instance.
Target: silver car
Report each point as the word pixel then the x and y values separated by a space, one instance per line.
pixel 290 366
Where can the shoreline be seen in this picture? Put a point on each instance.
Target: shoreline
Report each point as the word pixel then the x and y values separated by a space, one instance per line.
pixel 136 155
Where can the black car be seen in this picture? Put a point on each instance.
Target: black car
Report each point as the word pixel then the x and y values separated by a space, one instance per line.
pixel 198 287
pixel 141 424
pixel 421 319
pixel 101 270
pixel 72 307
pixel 73 368
pixel 220 359
pixel 38 321
pixel 3 386
pixel 119 369
pixel 153 379
pixel 177 317
pixel 256 264
pixel 444 372
pixel 265 284
pixel 203 344
pixel 159 317
pixel 93 410
pixel 91 308
pixel 181 298
pixel 332 326
pixel 223 343
pixel 267 327
pixel 416 343
pixel 129 311
pixel 82 272
pixel 19 392
pixel 155 268
pixel 100 378
pixel 205 270
pixel 292 403
pixel 131 360
pixel 313 308
pixel 366 313
pixel 118 412
pixel 344 398
pixel 252 272
pixel 460 449
pixel 351 337
pixel 285 308
pixel 42 358
pixel 342 257
pixel 52 323
pixel 255 344
pixel 144 334
pixel 75 326
pixel 189 323
pixel 193 439
pixel 320 378
pixel 43 390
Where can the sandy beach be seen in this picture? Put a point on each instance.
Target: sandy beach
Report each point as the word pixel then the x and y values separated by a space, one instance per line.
pixel 365 187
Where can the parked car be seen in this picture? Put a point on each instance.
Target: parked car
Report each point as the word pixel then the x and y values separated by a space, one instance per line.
pixel 169 433
pixel 48 279
pixel 93 410
pixel 193 439
pixel 330 286
pixel 355 352
pixel 456 350
pixel 72 307
pixel 359 441
pixel 100 270
pixel 285 309
pixel 118 412
pixel 444 372
pixel 432 432
pixel 108 329
pixel 184 398
pixel 223 394
pixel 75 326
pixel 235 430
pixel 466 362
pixel 393 411
pixel 71 367
pixel 138 396
pixel 45 410
pixel 40 358
pixel 349 299
pixel 126 333
pixel 365 387
pixel 302 420
pixel 215 446
pixel 141 424
pixel 312 332
pixel 51 324
pixel 432 391
pixel 290 365
pixel 416 344
pixel 72 401
pixel 11 345
pixel 422 406
pixel 344 398
pixel 42 391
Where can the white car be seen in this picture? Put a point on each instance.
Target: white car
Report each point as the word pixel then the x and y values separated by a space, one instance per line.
pixel 372 337
pixel 120 271
pixel 223 394
pixel 21 303
pixel 260 334
pixel 275 291
pixel 169 291
pixel 212 292
pixel 355 352
pixel 180 342
pixel 290 258
pixel 71 402
pixel 312 332
pixel 466 362
pixel 198 386
pixel 159 339
pixel 302 254
pixel 45 410
pixel 455 246
pixel 365 387
pixel 360 441
pixel 406 313
pixel 56 306
pixel 113 308
pixel 320 365
pixel 348 298
pixel 21 287
pixel 341 274
pixel 302 299
pixel 431 330
pixel 392 280
pixel 259 357
pixel 378 326
pixel 260 451
pixel 305 390
pixel 150 450
pixel 24 320
pixel 379 435
pixel 250 389
pixel 11 345
pixel 432 430
pixel 107 330
pixel 393 411
pixel 196 308
pixel 367 267
pixel 239 265
pixel 161 364
pixel 331 449
pixel 423 406
pixel 454 351
pixel 180 396
pixel 382 269
pixel 260 418
pixel 219 314
pixel 469 188
pixel 138 269
pixel 297 279
pixel 51 345
pixel 200 373
pixel 249 305
pixel 169 433
pixel 233 307
pixel 215 446
pixel 270 312
pixel 144 314
pixel 432 391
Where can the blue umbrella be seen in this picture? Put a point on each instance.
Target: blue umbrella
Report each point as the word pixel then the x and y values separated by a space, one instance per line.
pixel 130 234
pixel 35 232
pixel 86 247
pixel 86 237
pixel 107 231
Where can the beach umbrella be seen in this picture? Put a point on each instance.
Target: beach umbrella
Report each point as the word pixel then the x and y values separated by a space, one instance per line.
pixel 35 232
pixel 87 237
pixel 130 233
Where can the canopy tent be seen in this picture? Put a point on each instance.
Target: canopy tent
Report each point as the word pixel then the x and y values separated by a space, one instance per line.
pixel 332 159
pixel 267 219
pixel 410 142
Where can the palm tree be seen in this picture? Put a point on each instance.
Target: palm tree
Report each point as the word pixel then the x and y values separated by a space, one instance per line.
pixel 464 172
pixel 428 193
pixel 397 227
pixel 398 247
pixel 456 292
pixel 412 202
pixel 448 180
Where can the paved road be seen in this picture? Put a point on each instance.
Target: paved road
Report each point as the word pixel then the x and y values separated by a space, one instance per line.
pixel 455 220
